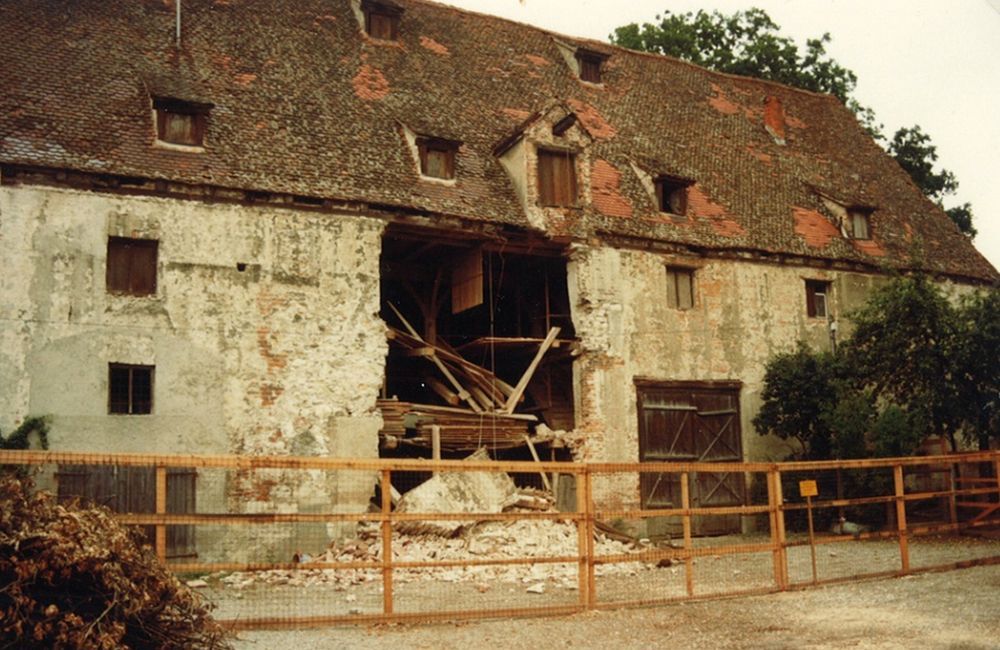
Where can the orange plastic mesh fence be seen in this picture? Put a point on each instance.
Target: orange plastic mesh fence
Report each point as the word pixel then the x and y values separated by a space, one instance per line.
pixel 296 541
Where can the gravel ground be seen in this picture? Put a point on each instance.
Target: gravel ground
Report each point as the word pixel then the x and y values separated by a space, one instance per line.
pixel 955 610
pixel 343 593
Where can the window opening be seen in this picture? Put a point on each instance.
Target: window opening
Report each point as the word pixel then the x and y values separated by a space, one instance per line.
pixel 381 20
pixel 557 178
pixel 816 298
pixel 860 226
pixel 437 157
pixel 671 195
pixel 180 122
pixel 130 389
pixel 131 266
pixel 680 287
pixel 590 63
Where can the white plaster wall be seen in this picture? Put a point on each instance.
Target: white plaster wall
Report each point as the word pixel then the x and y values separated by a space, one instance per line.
pixel 270 360
pixel 744 313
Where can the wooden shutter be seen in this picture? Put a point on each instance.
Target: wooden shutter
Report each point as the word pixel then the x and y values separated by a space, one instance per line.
pixel 117 266
pixel 381 26
pixel 546 187
pixel 685 289
pixel 142 268
pixel 590 70
pixel 467 281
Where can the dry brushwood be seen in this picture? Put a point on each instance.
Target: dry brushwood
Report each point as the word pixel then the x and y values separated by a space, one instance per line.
pixel 73 577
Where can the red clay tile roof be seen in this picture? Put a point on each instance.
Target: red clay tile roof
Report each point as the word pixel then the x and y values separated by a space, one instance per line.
pixel 304 103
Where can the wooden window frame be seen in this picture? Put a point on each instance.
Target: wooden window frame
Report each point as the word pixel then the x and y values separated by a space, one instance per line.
pixel 815 288
pixel 671 195
pixel 166 108
pixel 863 215
pixel 123 274
pixel 554 192
pixel 590 65
pixel 679 296
pixel 378 15
pixel 428 146
pixel 131 405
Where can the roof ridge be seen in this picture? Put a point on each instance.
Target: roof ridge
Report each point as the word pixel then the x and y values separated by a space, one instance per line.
pixel 438 4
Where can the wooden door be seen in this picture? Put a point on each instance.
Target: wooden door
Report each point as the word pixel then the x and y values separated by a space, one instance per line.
pixel 692 422
pixel 133 489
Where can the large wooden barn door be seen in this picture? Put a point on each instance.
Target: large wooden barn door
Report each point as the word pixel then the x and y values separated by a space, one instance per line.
pixel 688 422
pixel 133 489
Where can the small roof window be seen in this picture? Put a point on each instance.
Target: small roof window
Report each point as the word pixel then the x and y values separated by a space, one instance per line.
pixel 437 157
pixel 671 194
pixel 859 222
pixel 591 63
pixel 180 122
pixel 381 19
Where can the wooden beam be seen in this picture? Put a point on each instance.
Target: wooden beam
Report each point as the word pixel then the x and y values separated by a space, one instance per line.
pixel 526 377
pixel 462 393
pixel 161 509
pixel 442 391
pixel 534 454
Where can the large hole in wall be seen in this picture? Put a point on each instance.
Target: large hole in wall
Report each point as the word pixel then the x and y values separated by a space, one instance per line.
pixel 472 348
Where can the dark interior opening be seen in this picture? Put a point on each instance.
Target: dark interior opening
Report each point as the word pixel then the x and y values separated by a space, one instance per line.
pixel 487 312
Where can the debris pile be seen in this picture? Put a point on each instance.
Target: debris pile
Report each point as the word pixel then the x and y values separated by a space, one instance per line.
pixel 75 578
pixel 495 540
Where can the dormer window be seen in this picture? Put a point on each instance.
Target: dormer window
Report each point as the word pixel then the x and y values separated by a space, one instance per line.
pixel 671 195
pixel 590 63
pixel 381 19
pixel 437 157
pixel 858 224
pixel 180 122
pixel 556 178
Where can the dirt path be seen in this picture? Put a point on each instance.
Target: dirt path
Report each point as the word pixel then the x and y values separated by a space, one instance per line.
pixel 954 610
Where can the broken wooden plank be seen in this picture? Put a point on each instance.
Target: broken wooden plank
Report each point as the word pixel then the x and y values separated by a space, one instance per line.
pixel 442 391
pixel 534 454
pixel 462 393
pixel 526 377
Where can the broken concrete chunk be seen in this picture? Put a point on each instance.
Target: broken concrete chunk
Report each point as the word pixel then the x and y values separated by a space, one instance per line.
pixel 484 492
pixel 197 584
pixel 537 588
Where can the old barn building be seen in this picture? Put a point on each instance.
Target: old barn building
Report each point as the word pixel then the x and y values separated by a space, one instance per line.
pixel 323 227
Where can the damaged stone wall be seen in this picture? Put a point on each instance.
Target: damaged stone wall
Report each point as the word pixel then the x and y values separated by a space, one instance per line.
pixel 264 333
pixel 743 314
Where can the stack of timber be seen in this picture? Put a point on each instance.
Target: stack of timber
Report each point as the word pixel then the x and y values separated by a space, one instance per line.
pixel 489 419
pixel 460 430
pixel 461 382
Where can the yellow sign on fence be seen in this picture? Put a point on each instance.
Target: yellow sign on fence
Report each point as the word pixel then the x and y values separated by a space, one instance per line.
pixel 808 489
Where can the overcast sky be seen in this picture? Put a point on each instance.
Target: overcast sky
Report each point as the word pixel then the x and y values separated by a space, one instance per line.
pixel 936 64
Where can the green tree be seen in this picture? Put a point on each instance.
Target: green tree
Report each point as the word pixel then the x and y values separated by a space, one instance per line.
pixel 901 350
pixel 915 364
pixel 913 150
pixel 976 354
pixel 800 390
pixel 748 43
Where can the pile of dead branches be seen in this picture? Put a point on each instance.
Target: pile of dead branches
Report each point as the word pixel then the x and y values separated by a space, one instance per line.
pixel 73 577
